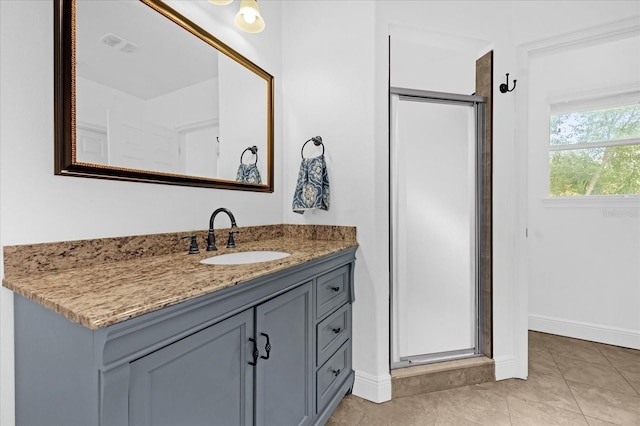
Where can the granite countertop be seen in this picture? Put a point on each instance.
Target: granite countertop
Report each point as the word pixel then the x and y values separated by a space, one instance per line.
pixel 98 293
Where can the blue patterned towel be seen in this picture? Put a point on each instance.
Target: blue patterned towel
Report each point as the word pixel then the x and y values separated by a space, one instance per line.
pixel 312 190
pixel 248 173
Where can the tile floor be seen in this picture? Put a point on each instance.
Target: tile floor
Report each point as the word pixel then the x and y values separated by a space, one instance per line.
pixel 571 382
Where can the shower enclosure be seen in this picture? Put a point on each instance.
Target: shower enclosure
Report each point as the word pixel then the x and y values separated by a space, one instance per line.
pixel 436 143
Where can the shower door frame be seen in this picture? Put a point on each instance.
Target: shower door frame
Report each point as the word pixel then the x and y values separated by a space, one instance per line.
pixel 479 104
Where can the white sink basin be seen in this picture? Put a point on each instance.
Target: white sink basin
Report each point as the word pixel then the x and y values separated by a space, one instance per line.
pixel 242 257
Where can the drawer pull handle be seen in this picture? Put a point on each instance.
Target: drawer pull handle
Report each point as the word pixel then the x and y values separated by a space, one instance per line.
pixel 267 347
pixel 336 330
pixel 255 353
pixel 336 373
pixel 335 288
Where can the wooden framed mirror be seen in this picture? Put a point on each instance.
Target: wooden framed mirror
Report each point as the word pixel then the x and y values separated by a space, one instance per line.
pixel 144 94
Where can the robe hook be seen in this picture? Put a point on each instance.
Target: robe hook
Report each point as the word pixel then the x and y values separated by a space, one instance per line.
pixel 504 88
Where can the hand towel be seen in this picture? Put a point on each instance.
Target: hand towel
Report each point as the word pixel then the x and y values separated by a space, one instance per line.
pixel 248 173
pixel 312 189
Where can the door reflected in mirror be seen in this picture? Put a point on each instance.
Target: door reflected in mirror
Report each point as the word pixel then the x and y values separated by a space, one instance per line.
pixel 158 99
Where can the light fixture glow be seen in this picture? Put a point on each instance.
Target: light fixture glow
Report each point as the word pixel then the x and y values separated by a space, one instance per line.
pixel 248 18
pixel 221 2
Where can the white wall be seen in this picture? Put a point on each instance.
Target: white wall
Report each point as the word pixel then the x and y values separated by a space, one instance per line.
pixel 584 255
pixel 430 60
pixel 333 62
pixel 187 107
pixel 347 105
pixel 37 206
pixel 193 112
pixel 243 113
pixel 329 71
pixel 93 100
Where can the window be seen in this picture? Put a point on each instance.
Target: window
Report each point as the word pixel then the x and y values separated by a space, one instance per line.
pixel 594 148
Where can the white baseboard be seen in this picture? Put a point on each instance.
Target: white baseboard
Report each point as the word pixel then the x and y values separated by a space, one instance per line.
pixel 627 338
pixel 373 388
pixel 506 367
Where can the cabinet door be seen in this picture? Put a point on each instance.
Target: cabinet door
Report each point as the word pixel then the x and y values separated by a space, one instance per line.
pixel 203 379
pixel 284 387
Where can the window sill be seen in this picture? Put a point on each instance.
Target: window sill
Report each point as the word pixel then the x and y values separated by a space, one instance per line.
pixel 594 201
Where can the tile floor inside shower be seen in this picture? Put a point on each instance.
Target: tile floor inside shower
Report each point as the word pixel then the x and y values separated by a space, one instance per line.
pixel 571 382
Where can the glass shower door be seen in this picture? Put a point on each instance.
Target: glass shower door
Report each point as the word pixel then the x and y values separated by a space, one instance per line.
pixel 433 187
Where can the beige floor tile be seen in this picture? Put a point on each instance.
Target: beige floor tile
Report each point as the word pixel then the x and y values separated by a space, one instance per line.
pixel 632 378
pixel 622 358
pixel 551 390
pixel 501 387
pixel 475 404
pixel 603 404
pixel 477 397
pixel 417 410
pixel 602 376
pixel 580 350
pixel 530 413
pixel 542 362
pixel 349 411
pixel 596 422
pixel 536 341
pixel 448 419
pixel 551 340
pixel 600 387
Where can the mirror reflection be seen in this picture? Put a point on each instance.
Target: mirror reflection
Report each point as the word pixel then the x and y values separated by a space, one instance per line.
pixel 154 98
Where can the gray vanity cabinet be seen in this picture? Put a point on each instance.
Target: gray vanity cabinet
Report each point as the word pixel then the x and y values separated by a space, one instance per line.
pixel 208 377
pixel 273 351
pixel 283 395
pixel 202 377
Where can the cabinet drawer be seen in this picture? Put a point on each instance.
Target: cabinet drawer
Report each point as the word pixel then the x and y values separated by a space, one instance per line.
pixel 332 290
pixel 331 375
pixel 332 332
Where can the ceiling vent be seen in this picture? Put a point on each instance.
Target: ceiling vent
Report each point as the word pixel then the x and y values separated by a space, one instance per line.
pixel 118 43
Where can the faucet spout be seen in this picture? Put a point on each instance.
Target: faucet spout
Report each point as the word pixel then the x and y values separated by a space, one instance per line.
pixel 211 237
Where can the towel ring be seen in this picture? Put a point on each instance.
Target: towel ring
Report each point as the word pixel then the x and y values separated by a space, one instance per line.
pixel 254 151
pixel 317 141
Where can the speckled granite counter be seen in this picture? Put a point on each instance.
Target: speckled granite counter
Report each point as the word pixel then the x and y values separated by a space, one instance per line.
pixel 97 283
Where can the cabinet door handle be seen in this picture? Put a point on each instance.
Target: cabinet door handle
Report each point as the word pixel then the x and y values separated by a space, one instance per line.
pixel 255 353
pixel 335 288
pixel 336 330
pixel 336 373
pixel 267 347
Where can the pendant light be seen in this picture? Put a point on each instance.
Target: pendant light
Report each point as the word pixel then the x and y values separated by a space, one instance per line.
pixel 248 18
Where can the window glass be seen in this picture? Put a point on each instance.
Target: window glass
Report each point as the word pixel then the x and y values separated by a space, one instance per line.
pixel 595 152
pixel 595 171
pixel 596 125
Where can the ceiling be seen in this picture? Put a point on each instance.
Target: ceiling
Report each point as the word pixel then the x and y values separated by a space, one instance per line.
pixel 167 57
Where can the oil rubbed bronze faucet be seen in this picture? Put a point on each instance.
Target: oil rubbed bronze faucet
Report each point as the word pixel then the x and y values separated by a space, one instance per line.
pixel 211 236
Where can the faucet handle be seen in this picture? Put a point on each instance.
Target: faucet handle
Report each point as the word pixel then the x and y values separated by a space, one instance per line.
pixel 211 241
pixel 193 247
pixel 231 242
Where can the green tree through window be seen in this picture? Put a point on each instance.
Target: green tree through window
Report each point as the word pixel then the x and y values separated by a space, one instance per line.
pixel 595 152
